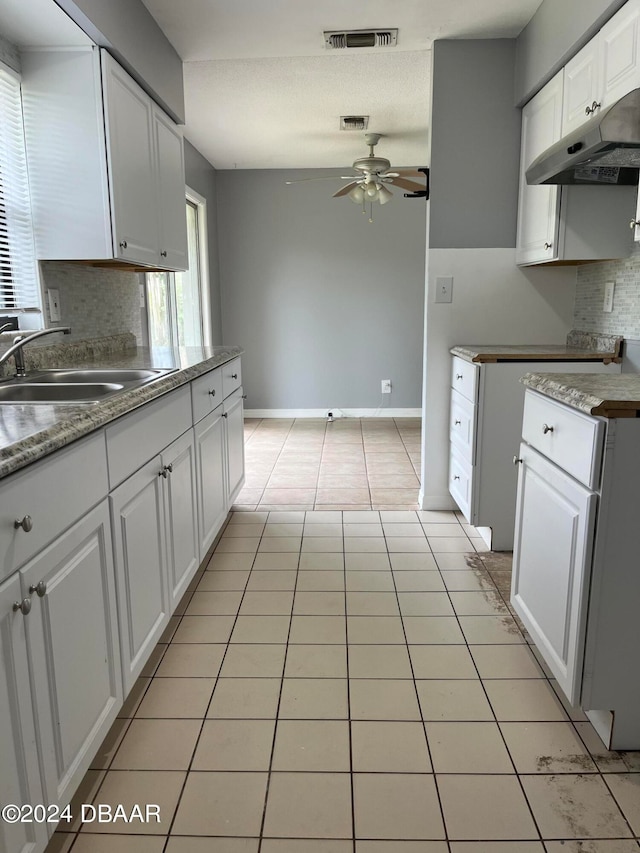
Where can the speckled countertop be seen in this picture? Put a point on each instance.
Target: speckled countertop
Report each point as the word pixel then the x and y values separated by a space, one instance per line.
pixel 31 431
pixel 593 393
pixel 580 346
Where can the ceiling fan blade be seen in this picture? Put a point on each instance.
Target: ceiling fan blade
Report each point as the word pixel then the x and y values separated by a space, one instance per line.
pixel 410 173
pixel 412 186
pixel 323 178
pixel 346 189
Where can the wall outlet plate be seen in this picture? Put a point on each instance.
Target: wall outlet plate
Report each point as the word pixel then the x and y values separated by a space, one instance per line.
pixel 385 386
pixel 609 289
pixel 53 295
pixel 444 288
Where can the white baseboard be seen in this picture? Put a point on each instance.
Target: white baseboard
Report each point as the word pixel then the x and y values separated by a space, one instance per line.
pixel 337 413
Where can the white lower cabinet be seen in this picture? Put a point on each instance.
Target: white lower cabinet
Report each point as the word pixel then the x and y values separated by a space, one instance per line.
pixel 575 582
pixel 234 416
pixel 137 513
pixel 72 634
pixel 20 772
pixel 210 460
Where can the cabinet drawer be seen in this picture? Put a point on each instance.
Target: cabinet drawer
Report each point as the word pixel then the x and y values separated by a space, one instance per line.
pixel 462 420
pixel 464 378
pixel 565 436
pixel 206 394
pixel 231 377
pixel 55 493
pixel 461 482
pixel 136 438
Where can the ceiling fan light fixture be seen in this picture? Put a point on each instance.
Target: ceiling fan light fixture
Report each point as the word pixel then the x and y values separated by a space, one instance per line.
pixel 372 191
pixel 357 194
pixel 384 195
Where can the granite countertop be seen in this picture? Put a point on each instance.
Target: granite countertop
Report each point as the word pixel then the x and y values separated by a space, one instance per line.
pixel 30 431
pixel 580 346
pixel 593 393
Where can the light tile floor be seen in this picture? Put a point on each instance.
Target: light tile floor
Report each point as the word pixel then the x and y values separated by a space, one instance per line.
pixel 353 681
pixel 373 463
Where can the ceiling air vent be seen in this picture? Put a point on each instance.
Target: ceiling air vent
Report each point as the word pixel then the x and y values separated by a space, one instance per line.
pixel 354 122
pixel 360 38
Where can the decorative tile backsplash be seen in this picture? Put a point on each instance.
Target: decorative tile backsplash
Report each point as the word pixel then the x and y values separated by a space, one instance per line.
pixel 591 279
pixel 95 302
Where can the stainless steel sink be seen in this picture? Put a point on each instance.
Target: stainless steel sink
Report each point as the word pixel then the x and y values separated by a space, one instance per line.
pixel 77 386
pixel 36 392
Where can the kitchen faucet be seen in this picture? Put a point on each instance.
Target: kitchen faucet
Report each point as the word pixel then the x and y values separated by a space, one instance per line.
pixel 20 341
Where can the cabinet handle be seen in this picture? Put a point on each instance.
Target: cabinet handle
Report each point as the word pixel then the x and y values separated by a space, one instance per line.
pixel 23 606
pixel 234 375
pixel 40 588
pixel 26 523
pixel 225 414
pixel 548 246
pixel 212 393
pixel 634 223
pixel 546 428
pixel 590 110
pixel 458 375
pixel 123 244
pixel 163 253
pixel 457 423
pixel 517 461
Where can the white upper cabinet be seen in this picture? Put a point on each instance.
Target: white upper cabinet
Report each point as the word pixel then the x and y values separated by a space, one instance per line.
pixel 106 164
pixel 538 205
pixel 606 68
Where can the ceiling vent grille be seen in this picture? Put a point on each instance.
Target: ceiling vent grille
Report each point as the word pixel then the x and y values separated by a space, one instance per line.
pixel 354 122
pixel 360 38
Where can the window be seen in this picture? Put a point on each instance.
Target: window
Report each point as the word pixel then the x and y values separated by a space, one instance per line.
pixel 177 303
pixel 19 286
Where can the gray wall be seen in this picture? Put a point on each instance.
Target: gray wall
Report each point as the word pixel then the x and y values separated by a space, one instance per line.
pixel 557 31
pixel 475 145
pixel 201 177
pixel 137 42
pixel 324 303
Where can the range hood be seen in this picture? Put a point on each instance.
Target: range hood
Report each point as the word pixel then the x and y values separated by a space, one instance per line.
pixel 605 150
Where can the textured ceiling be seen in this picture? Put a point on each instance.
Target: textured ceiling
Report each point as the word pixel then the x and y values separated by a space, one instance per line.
pixel 262 92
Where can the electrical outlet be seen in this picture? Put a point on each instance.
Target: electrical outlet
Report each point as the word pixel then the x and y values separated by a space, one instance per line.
pixel 609 288
pixel 54 304
pixel 386 386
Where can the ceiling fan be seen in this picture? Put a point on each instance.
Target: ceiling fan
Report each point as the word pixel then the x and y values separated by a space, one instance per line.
pixel 374 173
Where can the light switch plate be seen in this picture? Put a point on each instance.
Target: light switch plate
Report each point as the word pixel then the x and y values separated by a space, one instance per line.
pixel 444 288
pixel 609 288
pixel 54 304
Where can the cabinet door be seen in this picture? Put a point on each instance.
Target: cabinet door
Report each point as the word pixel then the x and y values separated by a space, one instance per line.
pixel 212 497
pixel 172 206
pixel 20 772
pixel 137 514
pixel 555 518
pixel 132 169
pixel 181 515
pixel 620 54
pixel 72 636
pixel 234 417
pixel 581 86
pixel 537 234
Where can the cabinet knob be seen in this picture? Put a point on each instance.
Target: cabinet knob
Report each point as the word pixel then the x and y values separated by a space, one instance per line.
pixel 225 415
pixel 548 246
pixel 23 606
pixel 166 470
pixel 633 223
pixel 456 477
pixel 163 253
pixel 123 244
pixel 234 375
pixel 458 375
pixel 517 460
pixel 244 396
pixel 26 523
pixel 457 423
pixel 40 588
pixel 546 428
pixel 212 393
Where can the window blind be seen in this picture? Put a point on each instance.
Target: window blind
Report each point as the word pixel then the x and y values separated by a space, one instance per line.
pixel 19 286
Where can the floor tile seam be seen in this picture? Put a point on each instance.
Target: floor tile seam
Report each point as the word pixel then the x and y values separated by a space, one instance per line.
pixel 417 696
pixel 206 712
pixel 613 795
pixel 282 677
pixel 280 451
